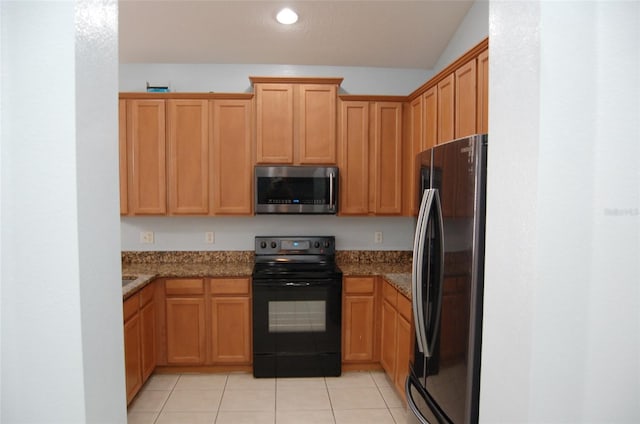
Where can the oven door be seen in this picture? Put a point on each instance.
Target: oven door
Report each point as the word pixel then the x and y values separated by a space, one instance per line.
pixel 296 327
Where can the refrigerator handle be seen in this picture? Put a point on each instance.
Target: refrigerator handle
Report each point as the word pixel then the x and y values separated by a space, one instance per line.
pixel 435 325
pixel 417 271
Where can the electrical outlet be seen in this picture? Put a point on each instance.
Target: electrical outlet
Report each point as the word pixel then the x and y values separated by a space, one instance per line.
pixel 377 237
pixel 146 237
pixel 209 237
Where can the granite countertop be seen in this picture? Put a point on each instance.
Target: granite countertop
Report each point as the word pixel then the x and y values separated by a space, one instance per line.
pixel 144 267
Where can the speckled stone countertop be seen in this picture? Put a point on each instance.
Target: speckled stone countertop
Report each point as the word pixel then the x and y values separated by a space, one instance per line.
pixel 143 267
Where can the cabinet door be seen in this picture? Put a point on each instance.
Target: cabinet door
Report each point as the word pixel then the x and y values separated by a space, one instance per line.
pixel 132 364
pixel 122 146
pixel 411 147
pixel 188 156
pixel 146 156
pixel 430 98
pixel 403 353
pixel 354 158
pixel 148 339
pixel 274 123
pixel 483 93
pixel 465 101
pixel 231 327
pixel 387 139
pixel 388 340
pixel 446 111
pixel 231 153
pixel 358 328
pixel 185 330
pixel 317 131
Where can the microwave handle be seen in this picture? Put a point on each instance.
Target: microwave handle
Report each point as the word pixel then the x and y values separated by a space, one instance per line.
pixel 332 178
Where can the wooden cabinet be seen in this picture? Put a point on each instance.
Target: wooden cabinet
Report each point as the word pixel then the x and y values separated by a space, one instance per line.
pixel 146 144
pixel 132 348
pixel 454 104
pixel 446 109
pixel 230 318
pixel 231 158
pixel 387 156
pixel 296 120
pixel 389 323
pixel 207 321
pixel 148 324
pixel 465 99
pixel 370 157
pixel 430 102
pixel 354 157
pixel 404 338
pixel 139 339
pixel 358 319
pixel 412 145
pixel 274 123
pixel 396 337
pixel 122 150
pixel 188 156
pixel 483 93
pixel 185 321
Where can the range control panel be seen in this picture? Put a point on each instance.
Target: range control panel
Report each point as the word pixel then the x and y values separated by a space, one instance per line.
pixel 303 245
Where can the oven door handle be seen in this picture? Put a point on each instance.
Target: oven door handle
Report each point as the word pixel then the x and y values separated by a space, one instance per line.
pixel 297 284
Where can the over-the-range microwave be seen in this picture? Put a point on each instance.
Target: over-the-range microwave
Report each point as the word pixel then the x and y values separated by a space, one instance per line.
pixel 296 189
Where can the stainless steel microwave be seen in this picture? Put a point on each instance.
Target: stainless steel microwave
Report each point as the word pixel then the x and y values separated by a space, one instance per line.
pixel 296 189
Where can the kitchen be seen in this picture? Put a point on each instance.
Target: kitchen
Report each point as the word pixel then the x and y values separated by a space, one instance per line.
pixel 515 309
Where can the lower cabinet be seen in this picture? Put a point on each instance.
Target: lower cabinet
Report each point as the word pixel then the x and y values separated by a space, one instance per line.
pixel 230 314
pixel 185 321
pixel 396 335
pixel 139 339
pixel 208 321
pixel 358 320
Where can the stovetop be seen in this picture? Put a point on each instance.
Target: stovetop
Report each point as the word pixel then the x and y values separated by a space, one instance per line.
pixel 295 257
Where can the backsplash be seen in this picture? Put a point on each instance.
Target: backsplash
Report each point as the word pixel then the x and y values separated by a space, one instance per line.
pixel 246 256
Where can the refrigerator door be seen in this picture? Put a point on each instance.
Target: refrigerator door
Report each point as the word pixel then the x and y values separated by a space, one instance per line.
pixel 453 369
pixel 427 277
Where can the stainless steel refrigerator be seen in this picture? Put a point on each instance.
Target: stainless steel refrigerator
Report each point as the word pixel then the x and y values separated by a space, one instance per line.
pixel 447 283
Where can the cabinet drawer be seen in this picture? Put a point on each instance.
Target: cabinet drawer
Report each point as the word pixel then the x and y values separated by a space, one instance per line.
pixel 184 286
pixel 359 285
pixel 146 294
pixel 404 307
pixel 389 293
pixel 130 307
pixel 229 286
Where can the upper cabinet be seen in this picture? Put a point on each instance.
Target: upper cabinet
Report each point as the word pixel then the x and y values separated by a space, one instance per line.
pixel 146 150
pixel 370 157
pixel 453 104
pixel 296 120
pixel 231 157
pixel 186 154
pixel 465 100
pixel 122 147
pixel 483 92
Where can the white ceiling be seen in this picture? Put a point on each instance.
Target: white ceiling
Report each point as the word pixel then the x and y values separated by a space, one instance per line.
pixel 391 33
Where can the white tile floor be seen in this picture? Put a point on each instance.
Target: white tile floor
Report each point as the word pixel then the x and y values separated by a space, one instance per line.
pixel 238 398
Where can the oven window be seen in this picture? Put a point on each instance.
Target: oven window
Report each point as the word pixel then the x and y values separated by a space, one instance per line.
pixel 297 316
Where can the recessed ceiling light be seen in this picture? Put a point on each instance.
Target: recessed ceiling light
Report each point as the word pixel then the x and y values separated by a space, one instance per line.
pixel 287 16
